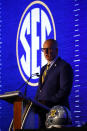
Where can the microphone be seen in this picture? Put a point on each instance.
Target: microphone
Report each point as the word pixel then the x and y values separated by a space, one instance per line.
pixel 26 82
pixel 32 75
pixel 37 74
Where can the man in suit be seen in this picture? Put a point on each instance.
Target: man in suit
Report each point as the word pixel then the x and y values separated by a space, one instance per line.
pixel 55 83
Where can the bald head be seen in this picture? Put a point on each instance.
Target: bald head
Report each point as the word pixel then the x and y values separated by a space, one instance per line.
pixel 52 42
pixel 50 47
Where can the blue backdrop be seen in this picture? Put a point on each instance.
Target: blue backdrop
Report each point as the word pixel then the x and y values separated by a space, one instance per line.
pixel 70 26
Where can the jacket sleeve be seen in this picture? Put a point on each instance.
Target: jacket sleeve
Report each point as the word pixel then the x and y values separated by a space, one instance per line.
pixel 66 80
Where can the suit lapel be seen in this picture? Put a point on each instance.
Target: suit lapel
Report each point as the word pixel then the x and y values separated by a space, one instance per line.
pixel 56 64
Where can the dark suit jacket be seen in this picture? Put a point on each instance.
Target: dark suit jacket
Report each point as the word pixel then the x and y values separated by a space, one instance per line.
pixel 57 86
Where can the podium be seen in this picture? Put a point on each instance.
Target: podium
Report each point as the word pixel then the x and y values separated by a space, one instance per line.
pixel 18 99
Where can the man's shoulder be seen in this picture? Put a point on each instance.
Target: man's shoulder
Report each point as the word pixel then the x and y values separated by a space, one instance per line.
pixel 43 67
pixel 62 62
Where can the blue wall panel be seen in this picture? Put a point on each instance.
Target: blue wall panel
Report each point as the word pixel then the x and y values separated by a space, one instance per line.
pixel 70 23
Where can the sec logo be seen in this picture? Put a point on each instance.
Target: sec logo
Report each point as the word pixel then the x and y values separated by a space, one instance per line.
pixel 35 26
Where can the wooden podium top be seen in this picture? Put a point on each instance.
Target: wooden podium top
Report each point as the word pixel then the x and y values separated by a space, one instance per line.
pixel 17 98
pixel 12 96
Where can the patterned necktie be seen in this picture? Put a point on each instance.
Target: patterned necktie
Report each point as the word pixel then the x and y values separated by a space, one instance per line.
pixel 44 73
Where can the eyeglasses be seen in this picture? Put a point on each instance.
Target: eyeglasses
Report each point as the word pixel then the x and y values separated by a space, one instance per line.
pixel 47 49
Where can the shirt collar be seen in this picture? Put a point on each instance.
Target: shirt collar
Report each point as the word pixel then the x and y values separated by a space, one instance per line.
pixel 52 62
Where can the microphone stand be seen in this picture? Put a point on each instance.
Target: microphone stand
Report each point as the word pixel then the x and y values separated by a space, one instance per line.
pixel 26 83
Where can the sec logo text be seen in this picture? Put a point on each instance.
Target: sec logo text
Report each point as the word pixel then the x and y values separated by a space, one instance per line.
pixel 35 26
